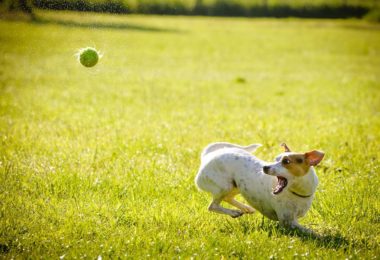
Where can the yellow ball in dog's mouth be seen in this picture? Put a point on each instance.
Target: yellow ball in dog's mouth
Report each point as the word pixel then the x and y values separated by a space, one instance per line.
pixel 88 57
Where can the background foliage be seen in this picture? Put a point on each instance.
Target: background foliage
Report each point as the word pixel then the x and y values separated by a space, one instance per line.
pixel 254 8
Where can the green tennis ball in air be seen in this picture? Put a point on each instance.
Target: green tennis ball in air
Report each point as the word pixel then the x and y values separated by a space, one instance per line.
pixel 88 57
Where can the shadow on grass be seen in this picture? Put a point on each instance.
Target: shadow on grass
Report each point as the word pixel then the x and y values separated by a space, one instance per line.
pixel 333 241
pixel 4 249
pixel 329 239
pixel 104 25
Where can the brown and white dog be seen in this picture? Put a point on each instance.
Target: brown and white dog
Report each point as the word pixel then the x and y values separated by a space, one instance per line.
pixel 283 190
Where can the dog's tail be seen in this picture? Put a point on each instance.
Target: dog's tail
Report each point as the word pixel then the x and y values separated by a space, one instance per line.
pixel 216 146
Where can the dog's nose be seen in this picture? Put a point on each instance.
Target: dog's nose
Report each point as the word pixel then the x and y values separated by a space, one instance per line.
pixel 266 169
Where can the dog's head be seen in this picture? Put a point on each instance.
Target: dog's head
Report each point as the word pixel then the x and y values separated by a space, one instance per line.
pixel 290 165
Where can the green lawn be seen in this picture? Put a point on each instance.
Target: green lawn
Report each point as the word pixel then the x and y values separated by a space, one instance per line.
pixel 101 161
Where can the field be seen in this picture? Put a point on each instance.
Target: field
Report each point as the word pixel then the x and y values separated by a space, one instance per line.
pixel 101 162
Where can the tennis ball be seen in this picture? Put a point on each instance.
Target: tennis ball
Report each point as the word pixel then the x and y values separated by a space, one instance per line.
pixel 88 57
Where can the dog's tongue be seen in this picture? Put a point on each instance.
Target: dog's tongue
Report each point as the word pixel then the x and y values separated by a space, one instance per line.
pixel 282 182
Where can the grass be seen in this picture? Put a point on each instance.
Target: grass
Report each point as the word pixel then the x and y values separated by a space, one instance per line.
pixel 101 162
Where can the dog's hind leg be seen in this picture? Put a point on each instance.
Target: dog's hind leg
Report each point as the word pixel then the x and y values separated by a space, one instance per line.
pixel 215 207
pixel 244 208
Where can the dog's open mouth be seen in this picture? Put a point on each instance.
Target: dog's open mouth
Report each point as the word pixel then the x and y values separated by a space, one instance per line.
pixel 281 184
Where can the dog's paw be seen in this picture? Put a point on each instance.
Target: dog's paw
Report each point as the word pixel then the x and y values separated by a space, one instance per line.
pixel 302 229
pixel 248 210
pixel 236 214
pixel 308 231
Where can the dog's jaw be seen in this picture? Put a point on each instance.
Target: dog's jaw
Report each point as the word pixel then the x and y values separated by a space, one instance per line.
pixel 278 171
pixel 281 185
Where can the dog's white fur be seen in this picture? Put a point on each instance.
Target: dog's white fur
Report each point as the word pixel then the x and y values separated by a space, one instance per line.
pixel 228 169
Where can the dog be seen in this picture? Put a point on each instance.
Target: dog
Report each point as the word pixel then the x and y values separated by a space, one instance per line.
pixel 282 190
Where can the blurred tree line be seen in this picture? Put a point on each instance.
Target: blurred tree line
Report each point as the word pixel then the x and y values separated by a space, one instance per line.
pixel 250 8
pixel 18 5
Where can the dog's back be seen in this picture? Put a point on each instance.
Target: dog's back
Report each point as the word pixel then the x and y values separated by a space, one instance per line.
pixel 221 145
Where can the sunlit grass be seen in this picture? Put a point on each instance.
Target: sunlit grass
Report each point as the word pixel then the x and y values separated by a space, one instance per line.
pixel 101 161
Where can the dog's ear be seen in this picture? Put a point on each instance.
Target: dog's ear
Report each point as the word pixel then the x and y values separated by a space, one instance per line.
pixel 314 157
pixel 285 147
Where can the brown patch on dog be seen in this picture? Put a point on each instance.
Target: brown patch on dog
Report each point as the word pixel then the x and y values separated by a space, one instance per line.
pixel 287 149
pixel 314 157
pixel 297 164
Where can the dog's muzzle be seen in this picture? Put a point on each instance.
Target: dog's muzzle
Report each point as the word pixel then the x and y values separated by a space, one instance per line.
pixel 282 182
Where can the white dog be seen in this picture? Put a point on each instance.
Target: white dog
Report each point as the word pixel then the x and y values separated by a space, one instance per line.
pixel 282 190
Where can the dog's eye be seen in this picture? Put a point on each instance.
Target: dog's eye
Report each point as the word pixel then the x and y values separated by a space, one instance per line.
pixel 285 161
pixel 299 160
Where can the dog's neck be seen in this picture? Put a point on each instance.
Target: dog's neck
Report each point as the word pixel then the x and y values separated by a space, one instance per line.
pixel 305 186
